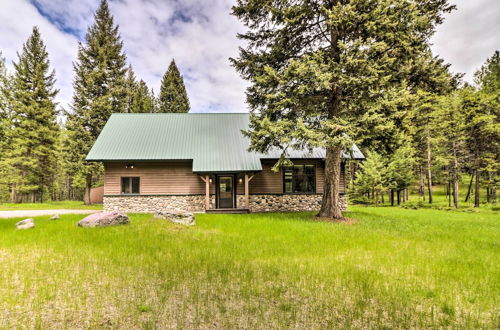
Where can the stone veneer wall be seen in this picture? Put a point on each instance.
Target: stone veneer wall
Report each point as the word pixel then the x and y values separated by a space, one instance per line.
pixel 196 203
pixel 154 203
pixel 286 203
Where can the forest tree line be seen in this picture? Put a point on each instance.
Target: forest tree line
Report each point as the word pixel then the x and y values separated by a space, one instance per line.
pixel 444 135
pixel 42 146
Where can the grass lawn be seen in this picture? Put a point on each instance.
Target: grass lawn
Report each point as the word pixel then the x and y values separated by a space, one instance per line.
pixel 391 268
pixel 49 206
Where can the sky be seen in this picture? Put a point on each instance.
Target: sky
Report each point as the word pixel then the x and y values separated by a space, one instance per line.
pixel 201 36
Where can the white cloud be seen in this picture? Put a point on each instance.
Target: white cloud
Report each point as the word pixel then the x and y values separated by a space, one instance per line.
pixel 201 36
pixel 469 35
pixel 17 19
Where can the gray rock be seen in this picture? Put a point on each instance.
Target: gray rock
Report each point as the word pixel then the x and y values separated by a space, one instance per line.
pixel 186 219
pixel 104 219
pixel 26 224
pixel 54 217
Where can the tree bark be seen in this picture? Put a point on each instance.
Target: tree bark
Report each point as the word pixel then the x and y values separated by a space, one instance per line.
pixel 88 187
pixel 455 182
pixel 476 192
pixel 429 173
pixel 470 187
pixel 392 197
pixel 13 194
pixel 330 205
pixel 421 187
pixel 398 193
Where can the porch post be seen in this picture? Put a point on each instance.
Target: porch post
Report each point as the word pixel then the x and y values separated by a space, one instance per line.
pixel 247 200
pixel 207 192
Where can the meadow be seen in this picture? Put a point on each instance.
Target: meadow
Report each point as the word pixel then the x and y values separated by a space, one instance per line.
pixel 389 267
pixel 51 205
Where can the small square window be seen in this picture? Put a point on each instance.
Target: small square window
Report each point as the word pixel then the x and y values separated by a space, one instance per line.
pixel 299 179
pixel 130 185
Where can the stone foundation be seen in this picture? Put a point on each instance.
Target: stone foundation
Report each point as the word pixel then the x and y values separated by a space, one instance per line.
pixel 286 203
pixel 196 203
pixel 160 203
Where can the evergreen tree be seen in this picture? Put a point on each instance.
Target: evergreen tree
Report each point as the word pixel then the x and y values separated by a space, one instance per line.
pixel 372 178
pixel 449 123
pixel 131 87
pixel 4 104
pixel 31 154
pixel 143 100
pixel 99 89
pixel 173 96
pixel 318 67
pixel 4 125
pixel 399 172
pixel 488 76
pixel 482 138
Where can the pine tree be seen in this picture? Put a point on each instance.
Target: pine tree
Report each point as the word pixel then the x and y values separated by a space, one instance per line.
pixel 130 86
pixel 143 99
pixel 488 80
pixel 99 89
pixel 4 125
pixel 173 96
pixel 4 104
pixel 318 67
pixel 488 76
pixel 31 153
pixel 372 178
pixel 449 123
pixel 399 171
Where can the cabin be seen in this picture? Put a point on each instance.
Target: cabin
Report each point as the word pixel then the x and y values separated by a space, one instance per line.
pixel 199 162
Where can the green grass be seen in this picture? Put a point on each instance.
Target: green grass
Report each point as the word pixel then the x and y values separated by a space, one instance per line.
pixel 49 206
pixel 391 268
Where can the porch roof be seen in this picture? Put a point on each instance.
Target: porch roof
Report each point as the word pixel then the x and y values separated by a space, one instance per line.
pixel 213 141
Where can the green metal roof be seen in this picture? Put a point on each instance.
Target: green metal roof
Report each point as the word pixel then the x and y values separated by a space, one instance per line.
pixel 213 141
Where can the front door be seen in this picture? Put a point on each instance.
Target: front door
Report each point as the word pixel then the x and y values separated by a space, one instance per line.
pixel 225 191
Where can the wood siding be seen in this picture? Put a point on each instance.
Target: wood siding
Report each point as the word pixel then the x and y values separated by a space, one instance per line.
pixel 177 178
pixel 156 178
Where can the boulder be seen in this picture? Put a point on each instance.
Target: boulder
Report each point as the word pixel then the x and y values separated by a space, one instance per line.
pixel 26 224
pixel 186 219
pixel 54 217
pixel 104 219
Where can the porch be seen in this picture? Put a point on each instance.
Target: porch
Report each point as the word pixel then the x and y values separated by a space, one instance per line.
pixel 225 186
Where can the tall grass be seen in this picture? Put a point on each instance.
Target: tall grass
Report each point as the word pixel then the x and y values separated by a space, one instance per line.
pixel 391 268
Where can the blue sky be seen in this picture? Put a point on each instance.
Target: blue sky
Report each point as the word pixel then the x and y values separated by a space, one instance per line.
pixel 201 36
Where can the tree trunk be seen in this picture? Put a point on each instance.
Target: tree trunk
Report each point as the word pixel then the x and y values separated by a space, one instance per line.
pixel 399 196
pixel 470 187
pixel 88 187
pixel 330 205
pixel 476 192
pixel 421 187
pixel 429 173
pixel 455 192
pixel 383 201
pixel 392 197
pixel 13 194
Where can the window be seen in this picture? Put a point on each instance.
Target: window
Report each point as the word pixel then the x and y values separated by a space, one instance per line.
pixel 130 185
pixel 299 179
